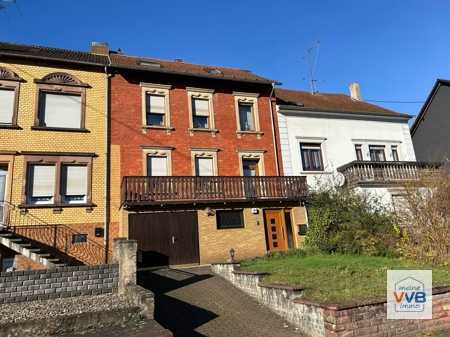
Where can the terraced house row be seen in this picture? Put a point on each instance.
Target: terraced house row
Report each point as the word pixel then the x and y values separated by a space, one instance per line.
pixel 189 160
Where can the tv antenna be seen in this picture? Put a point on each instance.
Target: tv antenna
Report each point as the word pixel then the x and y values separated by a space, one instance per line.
pixel 312 54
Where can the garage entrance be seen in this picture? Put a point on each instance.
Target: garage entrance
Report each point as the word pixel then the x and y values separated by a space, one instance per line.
pixel 165 238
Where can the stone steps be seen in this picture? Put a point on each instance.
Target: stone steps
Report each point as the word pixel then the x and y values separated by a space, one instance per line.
pixel 27 248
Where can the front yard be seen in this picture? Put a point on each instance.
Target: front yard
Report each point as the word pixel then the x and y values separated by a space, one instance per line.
pixel 340 279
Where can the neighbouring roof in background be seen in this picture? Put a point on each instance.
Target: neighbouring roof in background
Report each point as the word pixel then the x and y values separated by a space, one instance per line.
pixel 183 68
pixel 427 103
pixel 325 102
pixel 52 54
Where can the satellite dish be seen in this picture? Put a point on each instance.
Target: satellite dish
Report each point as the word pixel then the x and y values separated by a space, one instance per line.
pixel 340 179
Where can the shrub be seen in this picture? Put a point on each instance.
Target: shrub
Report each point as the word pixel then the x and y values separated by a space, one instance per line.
pixel 344 221
pixel 426 218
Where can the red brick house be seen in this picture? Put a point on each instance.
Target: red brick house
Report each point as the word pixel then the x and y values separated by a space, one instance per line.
pixel 194 150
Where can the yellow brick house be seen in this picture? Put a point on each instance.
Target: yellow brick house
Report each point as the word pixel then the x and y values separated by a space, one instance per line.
pixel 53 150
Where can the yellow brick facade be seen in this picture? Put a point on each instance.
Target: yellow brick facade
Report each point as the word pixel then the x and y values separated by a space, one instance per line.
pixel 215 244
pixel 26 139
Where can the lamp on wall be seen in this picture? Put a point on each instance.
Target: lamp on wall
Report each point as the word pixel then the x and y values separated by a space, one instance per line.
pixel 209 211
pixel 232 252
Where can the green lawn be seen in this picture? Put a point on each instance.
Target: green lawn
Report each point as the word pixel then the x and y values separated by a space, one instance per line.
pixel 340 279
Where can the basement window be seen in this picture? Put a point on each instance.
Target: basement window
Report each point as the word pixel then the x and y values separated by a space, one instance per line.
pixel 227 219
pixel 79 238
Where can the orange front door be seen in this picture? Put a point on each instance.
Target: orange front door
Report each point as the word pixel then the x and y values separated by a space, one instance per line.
pixel 276 233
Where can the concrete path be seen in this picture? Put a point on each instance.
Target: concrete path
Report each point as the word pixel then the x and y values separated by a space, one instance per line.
pixel 195 303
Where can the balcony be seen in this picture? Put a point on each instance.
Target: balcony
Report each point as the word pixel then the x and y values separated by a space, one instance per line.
pixel 155 191
pixel 385 173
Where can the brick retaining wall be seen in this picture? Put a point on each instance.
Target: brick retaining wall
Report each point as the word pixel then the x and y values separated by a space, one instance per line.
pixel 29 285
pixel 316 320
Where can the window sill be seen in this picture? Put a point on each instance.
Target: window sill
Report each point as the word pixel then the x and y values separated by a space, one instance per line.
pixel 88 206
pixel 10 126
pixel 212 131
pixel 47 128
pixel 257 133
pixel 168 129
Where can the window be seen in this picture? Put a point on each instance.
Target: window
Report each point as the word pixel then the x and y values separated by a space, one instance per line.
pixel 204 166
pixel 7 103
pixel 246 117
pixel 42 184
pixel 79 238
pixel 358 151
pixel 59 110
pixel 200 113
pixel 74 183
pixel 157 166
pixel 57 180
pixel 155 110
pixel 61 102
pixel 9 89
pixel 377 153
pixel 229 219
pixel 394 151
pixel 246 106
pixel 201 110
pixel 311 154
pixel 250 167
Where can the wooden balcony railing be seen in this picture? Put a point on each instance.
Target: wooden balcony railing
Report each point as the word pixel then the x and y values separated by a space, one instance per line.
pixel 140 191
pixel 382 173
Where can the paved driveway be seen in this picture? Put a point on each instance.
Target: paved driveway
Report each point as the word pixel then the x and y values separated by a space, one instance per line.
pixel 195 303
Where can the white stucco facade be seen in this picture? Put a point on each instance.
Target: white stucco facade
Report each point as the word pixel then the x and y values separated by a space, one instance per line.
pixel 338 133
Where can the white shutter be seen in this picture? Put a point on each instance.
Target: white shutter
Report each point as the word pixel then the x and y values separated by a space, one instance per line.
pixel 157 166
pixel 204 166
pixel 156 104
pixel 43 180
pixel 200 107
pixel 62 111
pixel 76 179
pixel 7 106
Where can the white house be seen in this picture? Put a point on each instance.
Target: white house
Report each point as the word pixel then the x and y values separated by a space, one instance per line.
pixel 336 139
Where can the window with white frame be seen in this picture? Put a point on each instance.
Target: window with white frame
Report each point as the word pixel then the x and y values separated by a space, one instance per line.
pixel 358 152
pixel 246 106
pixel 201 108
pixel 204 162
pixel 155 105
pixel 251 163
pixel 7 103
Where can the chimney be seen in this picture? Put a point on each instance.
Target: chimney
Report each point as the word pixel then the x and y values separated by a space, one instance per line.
pixel 355 91
pixel 101 48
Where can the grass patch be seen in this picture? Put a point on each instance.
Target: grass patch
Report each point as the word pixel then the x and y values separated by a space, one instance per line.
pixel 340 279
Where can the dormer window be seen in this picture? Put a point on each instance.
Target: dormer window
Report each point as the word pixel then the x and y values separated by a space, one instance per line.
pixel 61 103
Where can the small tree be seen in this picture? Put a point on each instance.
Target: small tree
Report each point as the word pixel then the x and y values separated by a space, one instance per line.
pixel 426 217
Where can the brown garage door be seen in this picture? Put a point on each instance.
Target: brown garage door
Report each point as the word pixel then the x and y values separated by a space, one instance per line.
pixel 165 238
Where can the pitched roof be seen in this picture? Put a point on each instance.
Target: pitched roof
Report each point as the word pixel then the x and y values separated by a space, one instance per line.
pixel 325 102
pixel 427 103
pixel 182 68
pixel 53 54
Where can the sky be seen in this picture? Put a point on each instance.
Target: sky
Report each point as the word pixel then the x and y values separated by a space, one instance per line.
pixel 395 49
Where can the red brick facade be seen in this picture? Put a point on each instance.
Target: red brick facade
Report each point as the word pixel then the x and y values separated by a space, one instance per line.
pixel 127 129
